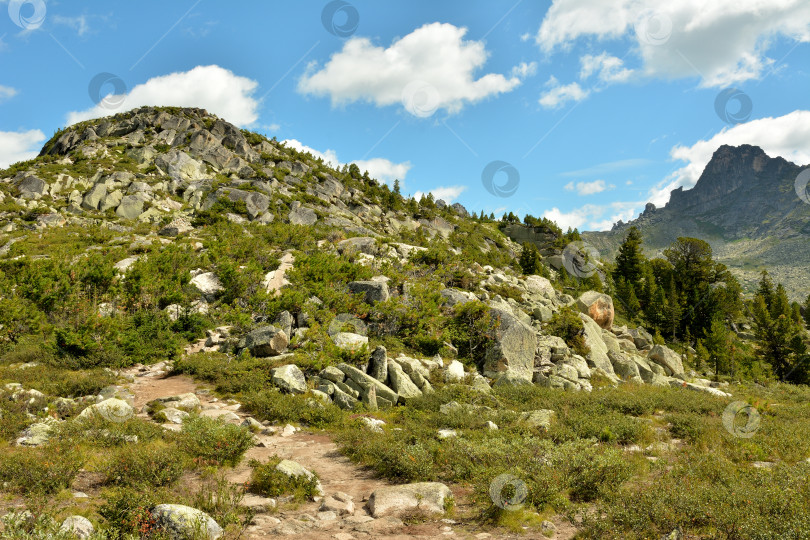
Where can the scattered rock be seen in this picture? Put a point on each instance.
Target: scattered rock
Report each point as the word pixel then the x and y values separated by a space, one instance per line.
pixel 265 341
pixel 290 379
pixel 597 306
pixel 78 526
pixel 425 496
pixel 183 521
pixel 666 358
pixel 373 291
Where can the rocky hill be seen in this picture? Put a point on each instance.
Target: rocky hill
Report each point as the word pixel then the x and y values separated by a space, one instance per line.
pixel 745 206
pixel 198 326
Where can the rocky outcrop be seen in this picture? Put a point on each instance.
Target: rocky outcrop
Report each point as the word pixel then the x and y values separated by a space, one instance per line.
pixel 598 307
pixel 513 348
pixel 429 497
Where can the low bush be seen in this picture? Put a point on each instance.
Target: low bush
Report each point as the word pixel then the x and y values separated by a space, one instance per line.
pixel 42 471
pixel 145 465
pixel 266 480
pixel 212 440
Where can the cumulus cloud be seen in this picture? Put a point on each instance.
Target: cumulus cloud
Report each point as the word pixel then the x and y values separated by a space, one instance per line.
pixel 589 188
pixel 784 136
pixel 384 169
pixel 558 94
pixel 594 217
pixel 213 88
pixel 435 57
pixel 7 92
pixel 380 168
pixel 446 193
pixel 722 42
pixel 19 146
pixel 607 68
pixel 524 70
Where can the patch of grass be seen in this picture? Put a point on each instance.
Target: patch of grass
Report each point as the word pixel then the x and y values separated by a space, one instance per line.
pixel 274 406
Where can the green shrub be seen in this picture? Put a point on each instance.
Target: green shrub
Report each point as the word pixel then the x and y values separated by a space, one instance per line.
pixel 127 511
pixel 212 440
pixel 43 470
pixel 472 329
pixel 269 482
pixel 145 465
pixel 567 325
pixel 274 406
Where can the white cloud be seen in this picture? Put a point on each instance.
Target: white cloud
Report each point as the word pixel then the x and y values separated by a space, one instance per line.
pixel 608 69
pixel 380 168
pixel 211 87
pixel 558 95
pixel 721 42
pixel 594 217
pixel 19 146
pixel 784 136
pixel 446 193
pixel 589 188
pixel 79 24
pixel 329 157
pixel 384 169
pixel 435 57
pixel 524 70
pixel 7 92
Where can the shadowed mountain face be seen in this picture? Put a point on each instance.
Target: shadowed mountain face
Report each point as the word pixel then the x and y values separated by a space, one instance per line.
pixel 745 205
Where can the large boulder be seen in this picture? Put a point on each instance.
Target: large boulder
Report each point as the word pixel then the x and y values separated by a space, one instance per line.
pixel 301 215
pixel 39 433
pixel 265 341
pixel 77 527
pixel 378 365
pixel 131 207
pixel 293 469
pixel 540 286
pixel 32 187
pixel 624 366
pixel 179 521
pixel 431 497
pixel 365 381
pixel 113 410
pixel 641 338
pixel 208 284
pixel 598 356
pixel 289 378
pixel 513 348
pixel 598 307
pixel 349 341
pixel 539 419
pixel 92 199
pixel 373 291
pixel 667 359
pixel 401 383
pixel 453 297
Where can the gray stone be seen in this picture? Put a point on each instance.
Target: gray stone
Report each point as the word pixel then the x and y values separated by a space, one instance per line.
pixel 181 521
pixel 513 348
pixel 454 372
pixel 294 469
pixel 331 373
pixel 77 526
pixel 378 365
pixel 598 357
pixel 453 297
pixel 349 341
pixel 38 434
pixel 112 410
pixel 623 365
pixel 208 284
pixel 92 199
pixel 366 381
pixel 130 208
pixel 187 401
pixel 265 341
pixel 32 187
pixel 284 320
pixel 301 215
pixel 401 383
pixel 666 358
pixel 540 419
pixel 641 338
pixel 373 291
pixel 429 497
pixel 290 379
pixel 174 416
pixel 177 227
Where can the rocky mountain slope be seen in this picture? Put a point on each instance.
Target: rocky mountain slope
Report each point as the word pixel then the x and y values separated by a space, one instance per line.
pixel 746 207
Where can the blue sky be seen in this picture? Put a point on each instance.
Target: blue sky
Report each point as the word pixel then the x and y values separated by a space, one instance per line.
pixel 595 107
